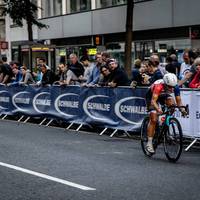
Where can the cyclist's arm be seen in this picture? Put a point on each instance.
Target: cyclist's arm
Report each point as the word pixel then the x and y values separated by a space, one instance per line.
pixel 179 101
pixel 177 94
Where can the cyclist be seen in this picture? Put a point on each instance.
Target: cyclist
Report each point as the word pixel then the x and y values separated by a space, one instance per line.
pixel 159 93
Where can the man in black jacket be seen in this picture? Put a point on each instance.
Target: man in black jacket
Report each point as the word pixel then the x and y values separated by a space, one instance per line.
pixel 48 76
pixel 5 71
pixel 75 66
pixel 118 75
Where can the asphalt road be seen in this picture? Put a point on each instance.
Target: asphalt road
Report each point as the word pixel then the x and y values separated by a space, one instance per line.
pixel 114 168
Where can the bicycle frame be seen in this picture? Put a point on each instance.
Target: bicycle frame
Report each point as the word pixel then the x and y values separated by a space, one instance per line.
pixel 168 115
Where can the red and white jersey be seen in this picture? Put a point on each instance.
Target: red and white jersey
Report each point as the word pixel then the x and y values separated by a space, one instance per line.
pixel 158 88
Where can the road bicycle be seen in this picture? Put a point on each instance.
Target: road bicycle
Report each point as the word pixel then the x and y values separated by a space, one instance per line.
pixel 168 131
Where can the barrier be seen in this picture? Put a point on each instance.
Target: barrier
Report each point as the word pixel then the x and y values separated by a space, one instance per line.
pixel 195 121
pixel 118 108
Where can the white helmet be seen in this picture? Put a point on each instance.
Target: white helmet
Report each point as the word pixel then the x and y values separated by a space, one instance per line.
pixel 170 79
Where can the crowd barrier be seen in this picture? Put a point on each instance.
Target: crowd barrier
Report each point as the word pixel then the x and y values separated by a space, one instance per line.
pixel 118 108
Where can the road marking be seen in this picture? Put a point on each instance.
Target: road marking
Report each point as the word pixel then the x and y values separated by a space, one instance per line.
pixel 51 178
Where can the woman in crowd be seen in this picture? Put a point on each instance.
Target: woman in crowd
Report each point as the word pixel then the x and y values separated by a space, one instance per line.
pixel 105 76
pixel 195 83
pixel 26 76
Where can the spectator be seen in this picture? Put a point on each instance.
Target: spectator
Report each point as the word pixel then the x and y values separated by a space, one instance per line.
pixel 153 73
pixel 105 57
pixel 185 81
pixel 136 74
pixel 16 65
pixel 26 76
pixel 195 83
pixel 63 74
pixel 185 66
pixel 48 76
pixel 17 75
pixel 5 71
pixel 156 62
pixel 42 61
pixel 105 76
pixel 118 75
pixel 192 56
pixel 37 74
pixel 88 68
pixel 58 72
pixel 1 68
pixel 171 67
pixel 95 71
pixel 75 66
pixel 175 63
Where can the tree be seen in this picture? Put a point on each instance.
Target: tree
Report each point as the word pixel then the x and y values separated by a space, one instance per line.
pixel 23 10
pixel 129 34
pixel 128 40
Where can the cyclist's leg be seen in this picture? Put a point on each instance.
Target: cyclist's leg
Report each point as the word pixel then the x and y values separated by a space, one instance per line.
pixel 153 116
pixel 152 122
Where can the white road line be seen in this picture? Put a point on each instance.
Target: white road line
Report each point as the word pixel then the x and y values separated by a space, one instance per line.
pixel 51 178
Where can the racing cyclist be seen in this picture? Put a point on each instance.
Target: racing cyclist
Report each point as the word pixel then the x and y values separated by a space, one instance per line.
pixel 159 93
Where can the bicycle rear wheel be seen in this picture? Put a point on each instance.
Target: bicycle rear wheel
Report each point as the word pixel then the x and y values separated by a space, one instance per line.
pixel 173 140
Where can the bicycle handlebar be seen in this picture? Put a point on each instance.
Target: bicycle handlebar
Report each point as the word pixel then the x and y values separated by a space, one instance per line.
pixel 170 108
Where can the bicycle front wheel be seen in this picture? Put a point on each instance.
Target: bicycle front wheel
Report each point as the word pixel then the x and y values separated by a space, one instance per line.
pixel 173 140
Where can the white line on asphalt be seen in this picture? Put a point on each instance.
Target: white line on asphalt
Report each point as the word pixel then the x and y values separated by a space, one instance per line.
pixel 51 178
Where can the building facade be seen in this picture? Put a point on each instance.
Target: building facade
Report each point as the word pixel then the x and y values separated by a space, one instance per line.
pixel 3 48
pixel 87 26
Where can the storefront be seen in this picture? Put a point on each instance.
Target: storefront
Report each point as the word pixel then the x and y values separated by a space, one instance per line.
pixel 29 54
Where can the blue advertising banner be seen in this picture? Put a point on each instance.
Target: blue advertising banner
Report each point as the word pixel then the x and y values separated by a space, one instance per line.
pixel 66 103
pixel 130 107
pixel 5 100
pixel 98 106
pixel 22 100
pixel 119 108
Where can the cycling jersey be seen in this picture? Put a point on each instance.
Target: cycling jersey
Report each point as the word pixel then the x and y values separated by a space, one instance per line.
pixel 163 92
pixel 158 87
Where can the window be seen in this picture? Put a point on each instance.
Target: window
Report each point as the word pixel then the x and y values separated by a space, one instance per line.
pixel 109 3
pixel 2 29
pixel 51 8
pixel 46 9
pixel 77 5
pixel 57 7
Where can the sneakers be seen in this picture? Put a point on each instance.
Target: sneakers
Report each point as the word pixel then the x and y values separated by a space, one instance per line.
pixel 150 148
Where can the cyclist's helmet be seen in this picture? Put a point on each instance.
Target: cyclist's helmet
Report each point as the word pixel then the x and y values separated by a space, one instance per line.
pixel 170 79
